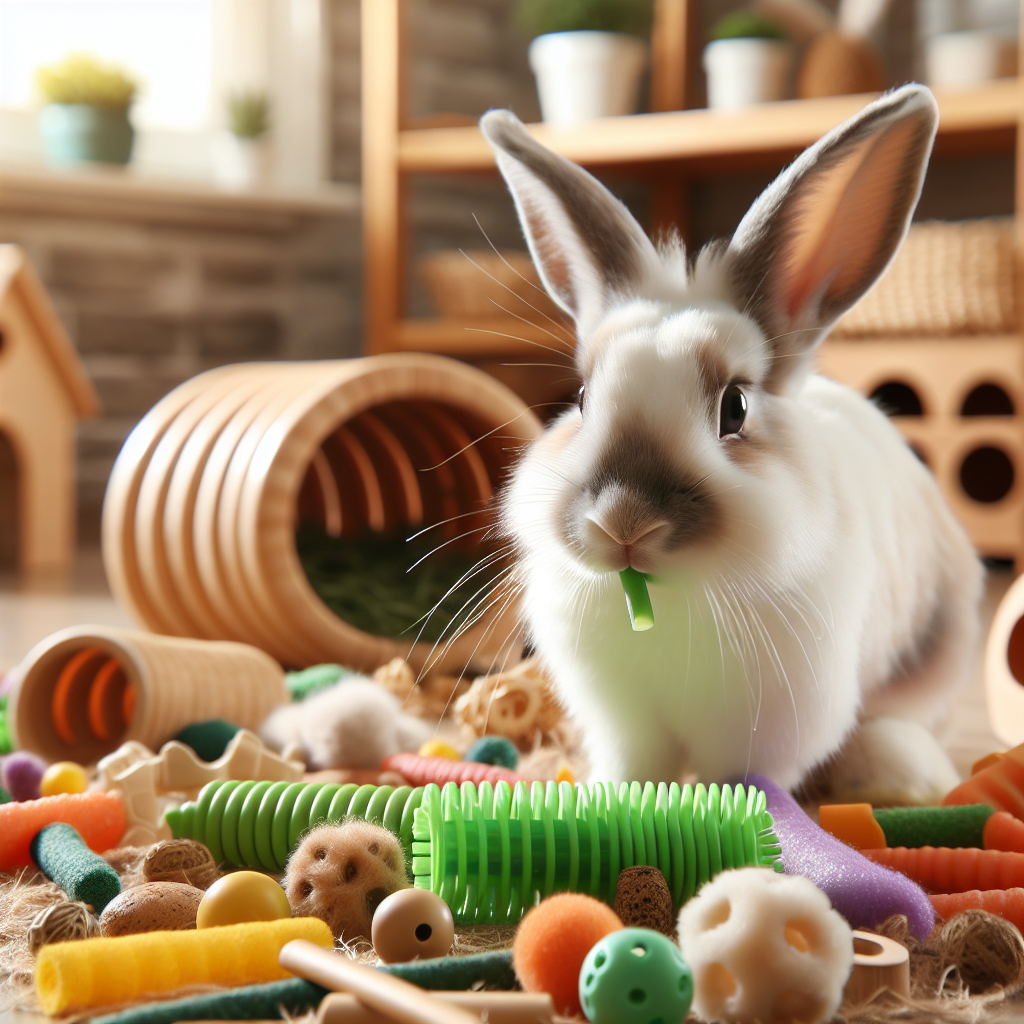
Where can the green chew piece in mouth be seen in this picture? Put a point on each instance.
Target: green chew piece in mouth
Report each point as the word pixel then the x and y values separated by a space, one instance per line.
pixel 638 601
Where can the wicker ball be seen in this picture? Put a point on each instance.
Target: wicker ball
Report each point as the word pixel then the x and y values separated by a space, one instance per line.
pixel 61 922
pixel 643 900
pixel 181 860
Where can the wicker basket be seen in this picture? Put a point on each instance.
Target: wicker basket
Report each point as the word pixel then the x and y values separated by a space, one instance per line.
pixel 950 278
pixel 484 284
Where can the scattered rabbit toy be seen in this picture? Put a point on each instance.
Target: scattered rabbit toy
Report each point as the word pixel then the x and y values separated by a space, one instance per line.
pixel 815 600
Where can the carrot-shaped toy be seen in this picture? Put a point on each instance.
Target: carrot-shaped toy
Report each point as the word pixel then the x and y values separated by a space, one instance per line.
pixel 1000 785
pixel 638 601
pixel 1004 832
pixel 944 869
pixel 1005 903
pixel 421 771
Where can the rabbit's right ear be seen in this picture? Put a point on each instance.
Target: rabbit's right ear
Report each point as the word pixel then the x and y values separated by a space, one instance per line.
pixel 588 248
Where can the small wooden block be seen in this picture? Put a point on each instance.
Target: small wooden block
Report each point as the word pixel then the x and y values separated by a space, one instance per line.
pixel 878 962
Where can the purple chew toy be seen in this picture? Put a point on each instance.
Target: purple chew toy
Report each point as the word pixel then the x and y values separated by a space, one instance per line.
pixel 863 892
pixel 22 773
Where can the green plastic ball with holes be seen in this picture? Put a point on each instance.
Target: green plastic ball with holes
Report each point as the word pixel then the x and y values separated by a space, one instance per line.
pixel 635 976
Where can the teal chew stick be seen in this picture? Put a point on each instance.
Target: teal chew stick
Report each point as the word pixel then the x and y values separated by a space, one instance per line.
pixel 962 825
pixel 493 852
pixel 63 857
pixel 257 824
pixel 638 600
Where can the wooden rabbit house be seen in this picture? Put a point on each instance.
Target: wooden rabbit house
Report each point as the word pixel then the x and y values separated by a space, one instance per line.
pixel 937 344
pixel 44 390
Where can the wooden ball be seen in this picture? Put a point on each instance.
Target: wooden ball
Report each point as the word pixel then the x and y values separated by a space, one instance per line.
pixel 151 907
pixel 643 900
pixel 412 924
pixel 241 897
pixel 552 942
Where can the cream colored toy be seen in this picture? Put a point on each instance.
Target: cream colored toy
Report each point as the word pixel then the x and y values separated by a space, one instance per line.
pixel 765 947
pixel 1004 667
pixel 82 692
pixel 518 704
pixel 148 783
pixel 430 697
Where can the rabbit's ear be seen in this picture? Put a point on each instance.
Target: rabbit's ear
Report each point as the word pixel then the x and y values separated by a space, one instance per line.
pixel 824 231
pixel 587 247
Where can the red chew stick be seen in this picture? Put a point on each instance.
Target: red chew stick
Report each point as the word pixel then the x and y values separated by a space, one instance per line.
pixel 421 771
pixel 1005 903
pixel 99 818
pixel 945 870
pixel 1004 832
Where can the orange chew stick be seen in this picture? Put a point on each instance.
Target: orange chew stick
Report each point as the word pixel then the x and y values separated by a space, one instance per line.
pixel 853 824
pixel 99 818
pixel 1000 785
pixel 1004 832
pixel 1005 903
pixel 944 869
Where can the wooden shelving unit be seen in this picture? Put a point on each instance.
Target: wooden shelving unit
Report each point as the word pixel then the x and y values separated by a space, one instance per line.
pixel 671 147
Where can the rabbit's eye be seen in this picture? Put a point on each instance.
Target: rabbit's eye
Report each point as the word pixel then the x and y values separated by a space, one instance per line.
pixel 733 411
pixel 580 395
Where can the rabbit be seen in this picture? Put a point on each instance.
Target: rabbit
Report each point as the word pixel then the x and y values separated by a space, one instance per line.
pixel 815 601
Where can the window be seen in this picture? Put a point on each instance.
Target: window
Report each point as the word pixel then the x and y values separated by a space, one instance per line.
pixel 188 55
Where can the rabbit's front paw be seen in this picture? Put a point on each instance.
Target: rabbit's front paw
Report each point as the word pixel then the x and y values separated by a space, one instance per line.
pixel 890 761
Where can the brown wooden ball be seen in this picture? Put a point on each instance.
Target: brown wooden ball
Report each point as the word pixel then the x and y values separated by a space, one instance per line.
pixel 151 907
pixel 412 924
pixel 644 900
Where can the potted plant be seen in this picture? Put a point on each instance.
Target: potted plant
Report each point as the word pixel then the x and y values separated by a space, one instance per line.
pixel 241 155
pixel 588 55
pixel 749 60
pixel 86 113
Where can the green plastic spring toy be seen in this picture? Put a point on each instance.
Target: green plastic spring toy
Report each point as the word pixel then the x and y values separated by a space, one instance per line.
pixel 490 853
pixel 257 824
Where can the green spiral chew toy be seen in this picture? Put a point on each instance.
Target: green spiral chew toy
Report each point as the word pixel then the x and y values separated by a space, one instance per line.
pixel 490 853
pixel 257 824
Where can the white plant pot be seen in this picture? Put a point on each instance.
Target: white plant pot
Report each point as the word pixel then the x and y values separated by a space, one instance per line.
pixel 958 60
pixel 583 75
pixel 238 162
pixel 745 71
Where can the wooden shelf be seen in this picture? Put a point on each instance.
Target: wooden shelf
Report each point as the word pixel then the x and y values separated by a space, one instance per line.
pixel 469 338
pixel 709 135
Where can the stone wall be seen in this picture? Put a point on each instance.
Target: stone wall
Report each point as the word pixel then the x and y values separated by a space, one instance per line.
pixel 155 293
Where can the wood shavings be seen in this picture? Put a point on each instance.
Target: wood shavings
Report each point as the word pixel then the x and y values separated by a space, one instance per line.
pixel 430 698
pixel 518 704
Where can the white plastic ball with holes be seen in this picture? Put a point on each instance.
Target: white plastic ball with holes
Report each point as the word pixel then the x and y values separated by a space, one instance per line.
pixel 765 947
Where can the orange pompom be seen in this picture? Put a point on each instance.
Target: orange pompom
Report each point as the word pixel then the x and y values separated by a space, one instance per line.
pixel 552 942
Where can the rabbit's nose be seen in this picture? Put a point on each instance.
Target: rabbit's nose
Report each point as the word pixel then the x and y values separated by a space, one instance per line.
pixel 625 535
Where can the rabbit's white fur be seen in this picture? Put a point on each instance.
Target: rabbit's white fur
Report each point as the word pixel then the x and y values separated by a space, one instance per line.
pixel 811 588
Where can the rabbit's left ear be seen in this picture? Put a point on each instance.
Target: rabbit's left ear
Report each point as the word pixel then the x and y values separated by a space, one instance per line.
pixel 826 229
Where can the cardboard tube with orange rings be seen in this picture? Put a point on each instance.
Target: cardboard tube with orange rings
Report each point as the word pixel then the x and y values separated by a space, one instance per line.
pixel 82 692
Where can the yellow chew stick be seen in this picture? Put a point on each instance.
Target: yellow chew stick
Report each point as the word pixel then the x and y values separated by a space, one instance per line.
pixel 74 976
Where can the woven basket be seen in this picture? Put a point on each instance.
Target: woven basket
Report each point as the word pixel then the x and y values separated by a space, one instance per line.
pixel 484 284
pixel 950 278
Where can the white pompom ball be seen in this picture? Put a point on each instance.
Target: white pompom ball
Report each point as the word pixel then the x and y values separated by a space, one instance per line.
pixel 765 947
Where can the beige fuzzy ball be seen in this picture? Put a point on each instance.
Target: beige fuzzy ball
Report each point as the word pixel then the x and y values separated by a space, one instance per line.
pixel 341 873
pixel 765 947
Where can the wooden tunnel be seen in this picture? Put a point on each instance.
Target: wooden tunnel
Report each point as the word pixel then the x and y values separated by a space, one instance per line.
pixel 203 503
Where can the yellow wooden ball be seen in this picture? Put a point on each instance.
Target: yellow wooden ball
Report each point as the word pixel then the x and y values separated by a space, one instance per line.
pixel 240 897
pixel 63 777
pixel 438 748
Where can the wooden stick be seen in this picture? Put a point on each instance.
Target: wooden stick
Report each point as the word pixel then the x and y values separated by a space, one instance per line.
pixel 495 1007
pixel 396 999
